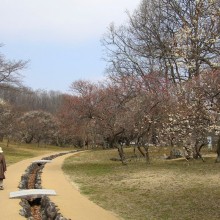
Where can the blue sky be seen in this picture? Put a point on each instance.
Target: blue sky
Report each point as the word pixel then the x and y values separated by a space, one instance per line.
pixel 61 38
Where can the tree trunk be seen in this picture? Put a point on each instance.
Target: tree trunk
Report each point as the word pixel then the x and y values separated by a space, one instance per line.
pixel 147 157
pixel 145 153
pixel 121 153
pixel 1 137
pixel 218 151
pixel 28 140
pixel 83 143
pixel 141 151
pixel 8 141
pixel 38 142
pixel 197 153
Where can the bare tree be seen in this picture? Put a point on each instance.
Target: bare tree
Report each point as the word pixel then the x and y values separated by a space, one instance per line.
pixel 10 71
pixel 177 38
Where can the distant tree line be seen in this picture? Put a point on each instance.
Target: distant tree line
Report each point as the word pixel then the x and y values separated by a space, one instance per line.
pixel 26 99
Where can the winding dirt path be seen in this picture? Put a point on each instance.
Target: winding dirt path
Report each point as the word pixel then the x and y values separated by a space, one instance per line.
pixel 10 207
pixel 70 202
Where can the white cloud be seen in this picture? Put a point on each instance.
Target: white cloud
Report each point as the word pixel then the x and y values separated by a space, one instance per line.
pixel 60 20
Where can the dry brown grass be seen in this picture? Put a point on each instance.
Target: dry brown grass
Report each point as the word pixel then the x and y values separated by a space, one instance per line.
pixel 163 189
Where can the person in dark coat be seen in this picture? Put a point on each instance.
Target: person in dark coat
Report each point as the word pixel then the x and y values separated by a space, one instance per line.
pixel 2 168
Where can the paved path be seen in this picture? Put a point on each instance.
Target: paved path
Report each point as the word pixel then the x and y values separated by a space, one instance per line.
pixel 70 202
pixel 10 207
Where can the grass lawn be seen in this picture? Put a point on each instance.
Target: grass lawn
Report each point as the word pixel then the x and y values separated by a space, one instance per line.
pixel 163 189
pixel 17 152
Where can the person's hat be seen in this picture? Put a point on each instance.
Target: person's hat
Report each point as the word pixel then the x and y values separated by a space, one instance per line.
pixel 1 151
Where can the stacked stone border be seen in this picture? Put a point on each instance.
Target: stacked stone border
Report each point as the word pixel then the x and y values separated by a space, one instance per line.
pixel 38 208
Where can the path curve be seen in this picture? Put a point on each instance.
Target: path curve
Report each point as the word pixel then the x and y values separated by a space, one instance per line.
pixel 71 203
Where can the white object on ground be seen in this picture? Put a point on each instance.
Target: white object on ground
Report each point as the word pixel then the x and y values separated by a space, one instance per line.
pixel 32 193
pixel 42 161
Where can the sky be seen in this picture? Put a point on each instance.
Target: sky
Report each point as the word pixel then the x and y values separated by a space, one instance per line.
pixel 60 38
